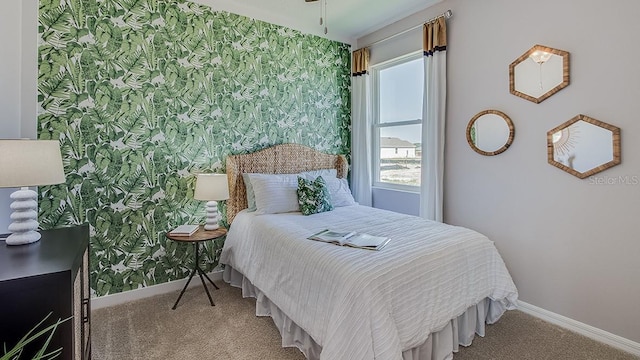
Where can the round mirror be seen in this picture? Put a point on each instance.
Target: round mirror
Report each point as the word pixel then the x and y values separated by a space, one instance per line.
pixel 490 132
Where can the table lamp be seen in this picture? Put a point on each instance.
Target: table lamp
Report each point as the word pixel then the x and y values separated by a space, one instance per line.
pixel 27 163
pixel 211 188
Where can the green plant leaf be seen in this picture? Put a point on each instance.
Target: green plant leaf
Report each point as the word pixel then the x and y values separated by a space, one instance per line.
pixel 32 335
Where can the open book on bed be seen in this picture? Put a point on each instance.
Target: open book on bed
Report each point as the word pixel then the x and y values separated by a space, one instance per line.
pixel 353 239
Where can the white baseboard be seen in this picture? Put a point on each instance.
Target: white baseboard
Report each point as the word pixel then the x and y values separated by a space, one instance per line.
pixel 145 292
pixel 583 329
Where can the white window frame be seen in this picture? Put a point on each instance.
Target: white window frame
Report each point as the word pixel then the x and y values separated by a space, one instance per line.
pixel 375 131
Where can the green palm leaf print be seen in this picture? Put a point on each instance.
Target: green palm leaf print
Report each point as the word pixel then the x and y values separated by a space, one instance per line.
pixel 143 94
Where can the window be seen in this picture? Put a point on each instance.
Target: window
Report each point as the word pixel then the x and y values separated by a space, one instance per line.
pixel 397 117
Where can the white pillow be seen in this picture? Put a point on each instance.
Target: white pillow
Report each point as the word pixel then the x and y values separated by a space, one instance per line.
pixel 309 175
pixel 339 192
pixel 338 188
pixel 251 197
pixel 313 174
pixel 275 193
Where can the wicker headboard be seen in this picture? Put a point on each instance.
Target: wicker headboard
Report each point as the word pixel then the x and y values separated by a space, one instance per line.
pixel 278 159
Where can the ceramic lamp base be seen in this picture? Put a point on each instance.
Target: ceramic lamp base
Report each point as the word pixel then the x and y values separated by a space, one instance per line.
pixel 25 218
pixel 212 216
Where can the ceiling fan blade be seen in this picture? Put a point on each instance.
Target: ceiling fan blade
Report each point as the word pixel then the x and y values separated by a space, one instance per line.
pixel 310 0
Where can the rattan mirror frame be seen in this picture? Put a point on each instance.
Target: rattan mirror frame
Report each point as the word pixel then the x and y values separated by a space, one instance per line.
pixel 507 119
pixel 525 56
pixel 615 141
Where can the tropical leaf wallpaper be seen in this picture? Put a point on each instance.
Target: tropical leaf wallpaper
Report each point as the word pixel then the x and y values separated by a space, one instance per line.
pixel 143 94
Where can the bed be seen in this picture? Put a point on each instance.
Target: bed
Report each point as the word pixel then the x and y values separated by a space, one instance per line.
pixel 431 289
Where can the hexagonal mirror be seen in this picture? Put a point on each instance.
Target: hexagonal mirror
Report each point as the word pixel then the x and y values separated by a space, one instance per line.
pixel 539 73
pixel 583 146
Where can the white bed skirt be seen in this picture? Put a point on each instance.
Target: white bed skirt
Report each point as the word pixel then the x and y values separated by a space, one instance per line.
pixel 439 345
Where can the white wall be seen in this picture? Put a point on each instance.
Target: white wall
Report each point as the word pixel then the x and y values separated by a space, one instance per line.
pixel 9 88
pixel 29 70
pixel 18 79
pixel 10 69
pixel 572 246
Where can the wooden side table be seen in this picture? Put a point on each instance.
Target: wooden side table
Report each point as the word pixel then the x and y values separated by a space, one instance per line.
pixel 197 238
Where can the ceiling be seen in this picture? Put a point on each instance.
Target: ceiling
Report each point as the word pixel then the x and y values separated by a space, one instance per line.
pixel 347 20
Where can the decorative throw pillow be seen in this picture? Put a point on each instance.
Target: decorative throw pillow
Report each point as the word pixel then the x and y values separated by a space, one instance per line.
pixel 338 187
pixel 313 196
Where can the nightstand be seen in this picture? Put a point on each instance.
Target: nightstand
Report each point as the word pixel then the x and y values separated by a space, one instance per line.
pixel 50 276
pixel 198 237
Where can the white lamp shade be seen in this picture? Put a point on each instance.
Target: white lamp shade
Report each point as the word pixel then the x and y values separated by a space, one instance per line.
pixel 211 187
pixel 30 163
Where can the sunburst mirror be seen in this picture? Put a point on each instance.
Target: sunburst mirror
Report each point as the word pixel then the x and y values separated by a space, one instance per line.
pixel 583 146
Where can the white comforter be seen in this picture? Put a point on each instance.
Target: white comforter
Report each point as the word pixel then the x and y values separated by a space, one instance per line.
pixel 363 304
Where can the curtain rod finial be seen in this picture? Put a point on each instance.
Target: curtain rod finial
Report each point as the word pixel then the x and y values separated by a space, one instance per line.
pixel 448 14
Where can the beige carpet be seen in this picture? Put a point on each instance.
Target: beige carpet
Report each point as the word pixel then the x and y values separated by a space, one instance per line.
pixel 149 329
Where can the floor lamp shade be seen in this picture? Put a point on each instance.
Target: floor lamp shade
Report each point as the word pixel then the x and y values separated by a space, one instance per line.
pixel 211 188
pixel 27 163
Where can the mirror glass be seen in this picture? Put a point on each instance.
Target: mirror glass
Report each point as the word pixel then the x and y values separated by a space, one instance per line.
pixel 584 146
pixel 539 73
pixel 490 132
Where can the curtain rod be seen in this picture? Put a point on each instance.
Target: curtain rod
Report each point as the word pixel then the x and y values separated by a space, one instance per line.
pixel 447 14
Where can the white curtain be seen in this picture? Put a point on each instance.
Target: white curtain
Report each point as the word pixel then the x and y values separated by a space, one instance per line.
pixel 433 120
pixel 361 129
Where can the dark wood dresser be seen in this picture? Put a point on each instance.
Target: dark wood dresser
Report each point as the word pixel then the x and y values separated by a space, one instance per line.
pixel 48 276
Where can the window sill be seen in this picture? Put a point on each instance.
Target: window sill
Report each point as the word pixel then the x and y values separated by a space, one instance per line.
pixel 394 187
